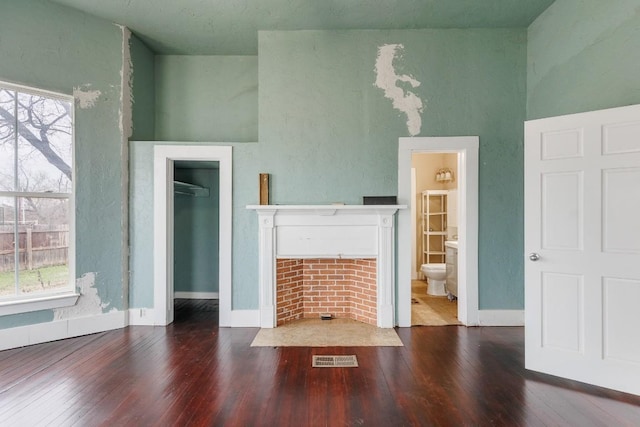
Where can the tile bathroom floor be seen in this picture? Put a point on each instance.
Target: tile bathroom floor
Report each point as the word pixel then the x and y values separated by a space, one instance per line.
pixel 428 310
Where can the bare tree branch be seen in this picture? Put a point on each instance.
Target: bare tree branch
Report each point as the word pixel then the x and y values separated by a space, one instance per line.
pixel 41 144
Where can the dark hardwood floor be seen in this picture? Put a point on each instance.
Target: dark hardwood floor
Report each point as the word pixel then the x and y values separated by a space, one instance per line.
pixel 194 373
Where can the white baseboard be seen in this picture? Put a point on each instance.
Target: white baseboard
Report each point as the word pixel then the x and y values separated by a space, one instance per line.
pixel 196 295
pixel 60 329
pixel 141 317
pixel 241 319
pixel 501 317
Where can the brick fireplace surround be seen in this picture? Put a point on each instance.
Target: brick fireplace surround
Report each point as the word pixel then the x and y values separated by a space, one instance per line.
pixel 344 288
pixel 326 259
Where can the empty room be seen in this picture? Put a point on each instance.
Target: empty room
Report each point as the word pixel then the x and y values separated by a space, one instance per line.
pixel 313 213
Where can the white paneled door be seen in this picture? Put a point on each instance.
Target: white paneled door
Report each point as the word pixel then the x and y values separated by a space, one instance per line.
pixel 582 247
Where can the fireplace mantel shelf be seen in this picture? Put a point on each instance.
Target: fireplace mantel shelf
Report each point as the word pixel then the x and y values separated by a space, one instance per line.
pixel 327 209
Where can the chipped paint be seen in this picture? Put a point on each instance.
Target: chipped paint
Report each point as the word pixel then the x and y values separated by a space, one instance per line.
pixel 126 130
pixel 89 302
pixel 126 79
pixel 402 100
pixel 85 97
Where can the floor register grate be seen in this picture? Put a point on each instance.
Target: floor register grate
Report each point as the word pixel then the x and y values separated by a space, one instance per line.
pixel 334 362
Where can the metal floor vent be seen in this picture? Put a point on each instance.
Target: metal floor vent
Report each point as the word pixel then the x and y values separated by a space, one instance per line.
pixel 335 362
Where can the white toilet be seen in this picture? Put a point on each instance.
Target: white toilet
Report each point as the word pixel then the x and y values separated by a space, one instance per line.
pixel 436 274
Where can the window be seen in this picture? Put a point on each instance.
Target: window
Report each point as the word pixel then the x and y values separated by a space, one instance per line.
pixel 36 194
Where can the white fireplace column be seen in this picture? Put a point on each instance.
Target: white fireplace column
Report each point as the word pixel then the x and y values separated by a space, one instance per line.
pixel 267 268
pixel 327 231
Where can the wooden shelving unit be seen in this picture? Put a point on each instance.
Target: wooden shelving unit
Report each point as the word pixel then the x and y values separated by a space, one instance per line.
pixel 434 225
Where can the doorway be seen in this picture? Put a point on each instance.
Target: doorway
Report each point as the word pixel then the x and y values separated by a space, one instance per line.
pixel 434 216
pixel 196 238
pixel 466 149
pixel 165 159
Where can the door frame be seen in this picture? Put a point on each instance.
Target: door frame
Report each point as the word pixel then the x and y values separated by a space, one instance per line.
pixel 467 148
pixel 164 157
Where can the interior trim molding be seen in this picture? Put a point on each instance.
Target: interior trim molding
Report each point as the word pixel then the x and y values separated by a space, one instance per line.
pixel 196 295
pixel 243 319
pixel 45 302
pixel 163 289
pixel 467 148
pixel 141 317
pixel 501 317
pixel 60 329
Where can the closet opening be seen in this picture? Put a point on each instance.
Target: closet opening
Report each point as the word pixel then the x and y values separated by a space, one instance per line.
pixel 196 240
pixel 204 176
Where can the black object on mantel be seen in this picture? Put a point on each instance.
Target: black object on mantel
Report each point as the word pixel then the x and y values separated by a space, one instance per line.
pixel 379 200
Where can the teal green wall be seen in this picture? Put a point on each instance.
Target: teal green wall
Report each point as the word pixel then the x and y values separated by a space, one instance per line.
pixel 141 224
pixel 55 48
pixel 327 134
pixel 247 164
pixel 206 98
pixel 583 56
pixel 143 89
pixel 200 99
pixel 196 233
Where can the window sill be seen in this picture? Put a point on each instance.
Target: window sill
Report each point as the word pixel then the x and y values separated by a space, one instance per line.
pixel 45 302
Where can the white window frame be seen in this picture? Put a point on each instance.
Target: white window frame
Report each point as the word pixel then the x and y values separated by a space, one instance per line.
pixel 60 297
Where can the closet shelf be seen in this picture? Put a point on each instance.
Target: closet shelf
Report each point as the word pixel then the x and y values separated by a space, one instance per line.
pixel 194 190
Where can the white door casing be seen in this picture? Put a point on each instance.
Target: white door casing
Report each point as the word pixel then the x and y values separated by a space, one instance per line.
pixel 414 225
pixel 164 157
pixel 582 223
pixel 467 149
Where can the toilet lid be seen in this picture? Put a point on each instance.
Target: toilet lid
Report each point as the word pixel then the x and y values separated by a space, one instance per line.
pixel 435 266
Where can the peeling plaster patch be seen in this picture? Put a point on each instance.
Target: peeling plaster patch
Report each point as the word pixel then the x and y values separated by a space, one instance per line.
pixel 126 80
pixel 85 97
pixel 126 131
pixel 89 302
pixel 386 79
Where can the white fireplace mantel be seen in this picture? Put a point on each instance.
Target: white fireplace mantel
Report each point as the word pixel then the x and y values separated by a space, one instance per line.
pixel 327 231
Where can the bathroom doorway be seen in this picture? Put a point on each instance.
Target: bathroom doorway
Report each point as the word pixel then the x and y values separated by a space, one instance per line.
pixel 434 204
pixel 466 148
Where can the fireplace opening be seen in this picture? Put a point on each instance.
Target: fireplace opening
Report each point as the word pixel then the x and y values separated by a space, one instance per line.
pixel 309 287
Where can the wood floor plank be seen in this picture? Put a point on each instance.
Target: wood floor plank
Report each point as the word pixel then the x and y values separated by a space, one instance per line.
pixel 195 373
pixel 27 361
pixel 446 387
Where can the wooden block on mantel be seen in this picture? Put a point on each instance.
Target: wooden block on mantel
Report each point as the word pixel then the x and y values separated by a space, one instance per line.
pixel 264 188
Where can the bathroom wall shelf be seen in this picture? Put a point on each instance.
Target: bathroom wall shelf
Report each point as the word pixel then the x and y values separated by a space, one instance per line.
pixel 434 225
pixel 187 189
